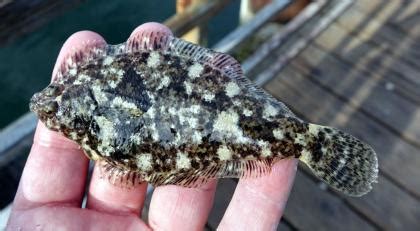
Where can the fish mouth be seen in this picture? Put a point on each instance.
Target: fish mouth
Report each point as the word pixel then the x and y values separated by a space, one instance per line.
pixel 33 105
pixel 43 107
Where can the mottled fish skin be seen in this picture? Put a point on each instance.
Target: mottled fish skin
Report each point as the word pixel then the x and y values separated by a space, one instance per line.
pixel 168 112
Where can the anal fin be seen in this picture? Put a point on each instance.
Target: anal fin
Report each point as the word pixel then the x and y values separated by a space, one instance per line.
pixel 226 169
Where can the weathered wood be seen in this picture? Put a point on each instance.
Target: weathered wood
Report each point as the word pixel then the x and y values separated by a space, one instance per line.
pixel 366 56
pixel 401 49
pixel 193 16
pixel 197 35
pixel 294 45
pixel 238 36
pixel 402 14
pixel 224 193
pixel 378 30
pixel 311 208
pixel 397 159
pixel 250 7
pixel 15 133
pixel 278 38
pixel 393 151
pixel 10 173
pixel 366 90
pixel 402 214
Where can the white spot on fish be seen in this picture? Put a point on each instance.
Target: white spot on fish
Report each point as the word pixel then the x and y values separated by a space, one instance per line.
pixel 232 89
pixel 182 161
pixel 106 133
pixel 314 129
pixel 300 139
pixel 99 95
pixel 151 112
pixel 226 124
pixel 237 102
pixel 197 137
pixel 265 148
pixel 224 153
pixel 247 112
pixel 153 60
pixel 118 102
pixel 278 134
pixel 269 112
pixel 188 87
pixel 113 75
pixel 195 109
pixel 266 152
pixel 81 79
pixel 135 138
pixel 193 122
pixel 305 156
pixel 164 82
pixel 195 70
pixel 155 133
pixel 72 71
pixel 144 161
pixel 108 60
pixel 208 96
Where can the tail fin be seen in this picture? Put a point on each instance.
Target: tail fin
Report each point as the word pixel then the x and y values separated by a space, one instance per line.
pixel 342 161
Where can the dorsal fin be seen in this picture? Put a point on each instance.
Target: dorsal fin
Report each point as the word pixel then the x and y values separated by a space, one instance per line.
pixel 149 40
pixel 85 53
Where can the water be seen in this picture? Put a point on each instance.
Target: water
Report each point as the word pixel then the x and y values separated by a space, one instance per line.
pixel 26 64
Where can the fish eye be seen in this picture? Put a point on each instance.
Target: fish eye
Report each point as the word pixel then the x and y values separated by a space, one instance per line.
pixel 53 90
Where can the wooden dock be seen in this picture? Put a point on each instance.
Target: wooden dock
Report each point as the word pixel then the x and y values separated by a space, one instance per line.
pixel 362 75
pixel 358 71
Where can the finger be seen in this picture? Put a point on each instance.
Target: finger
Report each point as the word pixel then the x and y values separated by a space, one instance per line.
pixel 68 218
pixel 55 172
pixel 179 208
pixel 262 198
pixel 79 42
pixel 105 196
pixel 56 167
pixel 111 198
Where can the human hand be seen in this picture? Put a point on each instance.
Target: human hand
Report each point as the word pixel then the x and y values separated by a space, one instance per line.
pixel 52 186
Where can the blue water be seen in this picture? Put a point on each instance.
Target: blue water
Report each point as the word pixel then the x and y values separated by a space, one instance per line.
pixel 27 63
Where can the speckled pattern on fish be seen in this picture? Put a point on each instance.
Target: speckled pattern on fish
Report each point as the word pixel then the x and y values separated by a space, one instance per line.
pixel 165 111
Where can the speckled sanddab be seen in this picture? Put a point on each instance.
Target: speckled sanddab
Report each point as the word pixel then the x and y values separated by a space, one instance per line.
pixel 165 111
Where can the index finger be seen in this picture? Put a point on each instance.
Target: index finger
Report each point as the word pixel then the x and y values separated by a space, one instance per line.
pixel 56 169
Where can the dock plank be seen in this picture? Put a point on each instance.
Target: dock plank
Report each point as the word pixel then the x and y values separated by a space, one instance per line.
pixel 402 50
pixel 309 206
pixel 316 201
pixel 366 90
pixel 378 31
pixel 325 108
pixel 402 14
pixel 318 105
pixel 402 214
pixel 224 193
pixel 375 59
